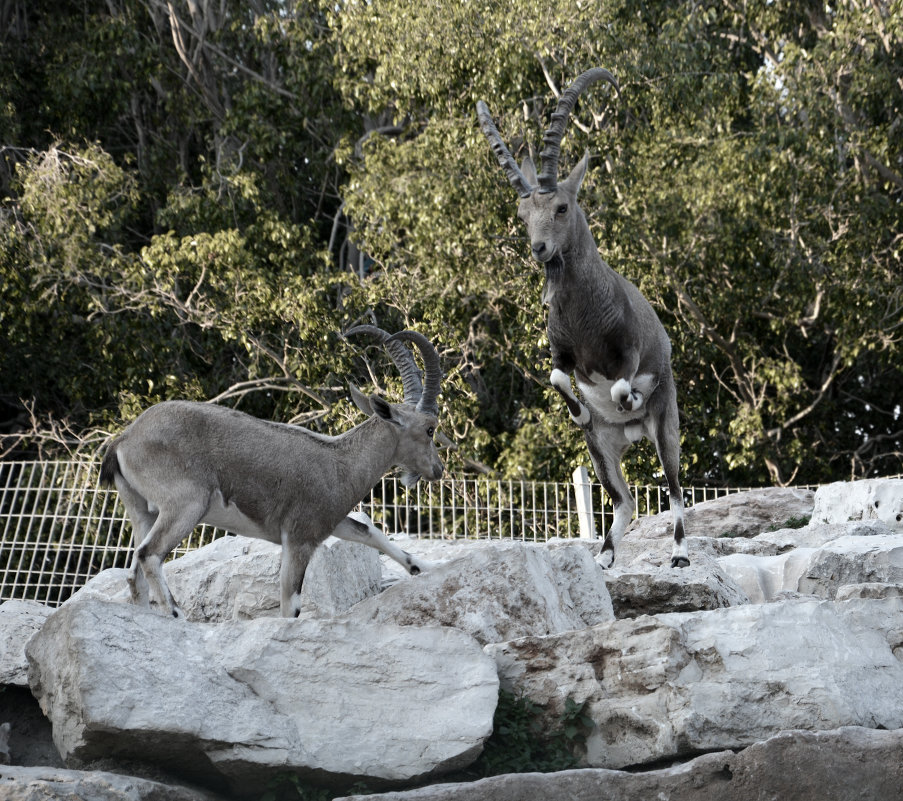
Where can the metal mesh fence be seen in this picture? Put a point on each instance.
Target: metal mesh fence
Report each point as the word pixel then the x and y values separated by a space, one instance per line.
pixel 59 527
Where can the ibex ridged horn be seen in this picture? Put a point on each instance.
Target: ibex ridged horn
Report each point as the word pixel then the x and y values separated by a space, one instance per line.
pixel 509 165
pixel 432 371
pixel 403 358
pixel 548 178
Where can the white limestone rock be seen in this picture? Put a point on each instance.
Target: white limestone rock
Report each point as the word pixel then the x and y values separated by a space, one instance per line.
pixel 853 560
pixel 847 764
pixel 869 590
pixel 740 514
pixel 243 701
pixel 108 585
pixel 581 584
pixel 644 589
pixel 870 499
pixel 661 686
pixel 764 578
pixel 237 578
pixel 822 571
pixel 712 526
pixel 19 621
pixel 40 783
pixel 813 535
pixel 499 591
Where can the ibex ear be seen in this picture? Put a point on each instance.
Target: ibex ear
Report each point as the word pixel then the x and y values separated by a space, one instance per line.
pixel 528 168
pixel 361 400
pixel 382 408
pixel 575 179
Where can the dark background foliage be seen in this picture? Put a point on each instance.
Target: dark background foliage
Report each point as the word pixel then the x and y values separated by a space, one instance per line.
pixel 196 198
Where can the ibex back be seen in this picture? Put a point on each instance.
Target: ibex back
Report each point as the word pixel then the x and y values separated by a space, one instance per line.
pixel 600 326
pixel 183 463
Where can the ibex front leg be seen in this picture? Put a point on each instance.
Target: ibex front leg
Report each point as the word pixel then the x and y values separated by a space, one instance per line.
pixel 358 527
pixel 296 554
pixel 578 411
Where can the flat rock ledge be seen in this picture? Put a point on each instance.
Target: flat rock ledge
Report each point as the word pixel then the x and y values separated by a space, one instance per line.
pixel 59 784
pixel 674 685
pixel 846 764
pixel 232 705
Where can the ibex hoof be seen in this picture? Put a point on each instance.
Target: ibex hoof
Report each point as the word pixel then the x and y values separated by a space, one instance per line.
pixel 606 559
pixel 626 397
pixel 680 561
pixel 620 391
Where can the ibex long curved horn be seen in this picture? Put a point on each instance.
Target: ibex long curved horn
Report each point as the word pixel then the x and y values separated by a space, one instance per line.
pixel 548 178
pixel 509 165
pixel 403 358
pixel 432 372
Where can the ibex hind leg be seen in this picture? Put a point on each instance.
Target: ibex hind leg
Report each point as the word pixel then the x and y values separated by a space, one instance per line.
pixel 607 445
pixel 172 525
pixel 142 519
pixel 664 432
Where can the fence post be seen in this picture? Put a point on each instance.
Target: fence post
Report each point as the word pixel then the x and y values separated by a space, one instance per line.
pixel 584 493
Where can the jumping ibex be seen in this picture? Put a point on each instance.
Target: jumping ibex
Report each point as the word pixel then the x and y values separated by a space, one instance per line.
pixel 600 327
pixel 183 463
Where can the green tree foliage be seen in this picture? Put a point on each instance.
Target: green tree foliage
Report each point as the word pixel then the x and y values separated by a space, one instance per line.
pixel 197 197
pixel 747 179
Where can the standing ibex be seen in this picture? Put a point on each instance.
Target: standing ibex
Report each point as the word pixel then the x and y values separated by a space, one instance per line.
pixel 183 463
pixel 600 327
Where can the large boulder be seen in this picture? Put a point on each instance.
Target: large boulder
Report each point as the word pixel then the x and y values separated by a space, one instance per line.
pixel 644 589
pixel 869 590
pixel 237 578
pixel 848 764
pixel 820 571
pixel 234 704
pixel 871 499
pixel 711 527
pixel 499 591
pixel 740 514
pixel 765 578
pixel 663 686
pixel 814 535
pixel 853 560
pixel 19 620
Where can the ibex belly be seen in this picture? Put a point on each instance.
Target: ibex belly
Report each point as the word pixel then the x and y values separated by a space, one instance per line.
pixel 229 517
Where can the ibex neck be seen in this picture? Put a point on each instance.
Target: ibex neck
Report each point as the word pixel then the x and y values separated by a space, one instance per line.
pixel 581 263
pixel 363 456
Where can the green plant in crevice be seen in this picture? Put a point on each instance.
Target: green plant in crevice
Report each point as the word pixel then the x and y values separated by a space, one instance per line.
pixel 290 787
pixel 519 743
pixel 800 521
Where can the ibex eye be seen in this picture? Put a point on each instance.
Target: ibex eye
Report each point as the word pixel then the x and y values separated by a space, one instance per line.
pixel 562 209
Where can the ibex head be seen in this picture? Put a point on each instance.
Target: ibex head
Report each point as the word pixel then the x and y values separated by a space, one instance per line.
pixel 417 415
pixel 548 208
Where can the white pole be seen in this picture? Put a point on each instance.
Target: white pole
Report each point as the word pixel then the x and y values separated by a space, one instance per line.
pixel 584 494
